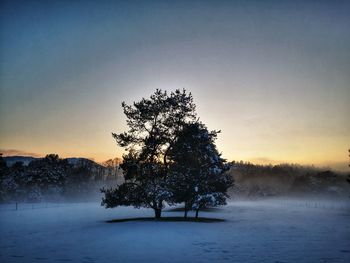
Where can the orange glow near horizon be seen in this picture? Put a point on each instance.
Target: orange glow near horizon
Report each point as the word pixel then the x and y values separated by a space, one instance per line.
pixel 273 77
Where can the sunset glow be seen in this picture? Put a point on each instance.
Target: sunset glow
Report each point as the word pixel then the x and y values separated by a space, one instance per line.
pixel 274 77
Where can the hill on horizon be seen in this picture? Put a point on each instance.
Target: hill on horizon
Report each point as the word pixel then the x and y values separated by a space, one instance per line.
pixel 11 160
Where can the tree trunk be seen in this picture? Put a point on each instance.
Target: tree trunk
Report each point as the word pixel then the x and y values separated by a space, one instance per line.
pixel 185 213
pixel 197 210
pixel 158 213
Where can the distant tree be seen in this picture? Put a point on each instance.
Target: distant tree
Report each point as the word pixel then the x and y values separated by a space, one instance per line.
pixel 153 127
pixel 112 168
pixel 47 177
pixel 2 163
pixel 3 167
pixel 4 182
pixel 348 179
pixel 199 177
pixel 78 181
pixel 51 178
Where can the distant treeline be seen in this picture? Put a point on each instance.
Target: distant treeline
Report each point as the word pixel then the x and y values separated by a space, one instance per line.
pixel 52 178
pixel 253 180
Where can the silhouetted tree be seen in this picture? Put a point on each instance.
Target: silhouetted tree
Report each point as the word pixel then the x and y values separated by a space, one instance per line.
pixel 2 162
pixel 153 127
pixel 3 175
pixel 348 179
pixel 199 177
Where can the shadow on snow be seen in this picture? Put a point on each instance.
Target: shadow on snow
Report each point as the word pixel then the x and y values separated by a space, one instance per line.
pixel 168 219
pixel 181 209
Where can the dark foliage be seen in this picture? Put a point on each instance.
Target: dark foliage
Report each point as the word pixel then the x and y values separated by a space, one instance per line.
pixel 52 178
pixel 199 177
pixel 153 124
pixel 171 157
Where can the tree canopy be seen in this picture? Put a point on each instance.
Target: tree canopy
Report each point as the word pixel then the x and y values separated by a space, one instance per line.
pixel 157 125
pixel 198 171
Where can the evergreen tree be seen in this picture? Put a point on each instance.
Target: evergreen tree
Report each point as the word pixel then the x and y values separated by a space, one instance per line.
pixel 3 164
pixel 5 183
pixel 47 177
pixel 199 177
pixel 153 127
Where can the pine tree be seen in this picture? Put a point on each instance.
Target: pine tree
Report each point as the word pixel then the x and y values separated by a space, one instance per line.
pixel 46 177
pixel 153 127
pixel 6 182
pixel 199 177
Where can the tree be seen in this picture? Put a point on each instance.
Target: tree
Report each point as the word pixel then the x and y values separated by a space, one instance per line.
pixel 7 183
pixel 47 177
pixel 199 173
pixel 3 164
pixel 112 168
pixel 153 128
pixel 348 179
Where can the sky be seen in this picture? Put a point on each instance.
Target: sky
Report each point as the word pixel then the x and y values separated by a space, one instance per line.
pixel 273 76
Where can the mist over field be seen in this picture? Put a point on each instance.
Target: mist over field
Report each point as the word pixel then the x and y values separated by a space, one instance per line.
pixel 283 180
pixel 271 230
pixel 283 213
pixel 79 179
pixel 170 131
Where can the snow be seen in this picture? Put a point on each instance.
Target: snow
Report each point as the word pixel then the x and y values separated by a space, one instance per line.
pixel 254 231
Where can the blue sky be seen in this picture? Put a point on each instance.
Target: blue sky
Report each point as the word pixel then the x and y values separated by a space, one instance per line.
pixel 272 75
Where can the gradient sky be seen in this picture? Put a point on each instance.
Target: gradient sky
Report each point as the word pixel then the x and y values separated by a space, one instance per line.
pixel 274 76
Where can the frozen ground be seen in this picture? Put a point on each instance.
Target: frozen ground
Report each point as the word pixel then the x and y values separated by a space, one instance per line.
pixel 261 231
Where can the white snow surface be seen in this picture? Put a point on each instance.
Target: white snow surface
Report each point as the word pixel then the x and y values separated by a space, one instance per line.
pixel 253 231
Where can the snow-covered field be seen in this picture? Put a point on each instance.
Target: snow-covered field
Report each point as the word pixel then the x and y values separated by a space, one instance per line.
pixel 254 231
